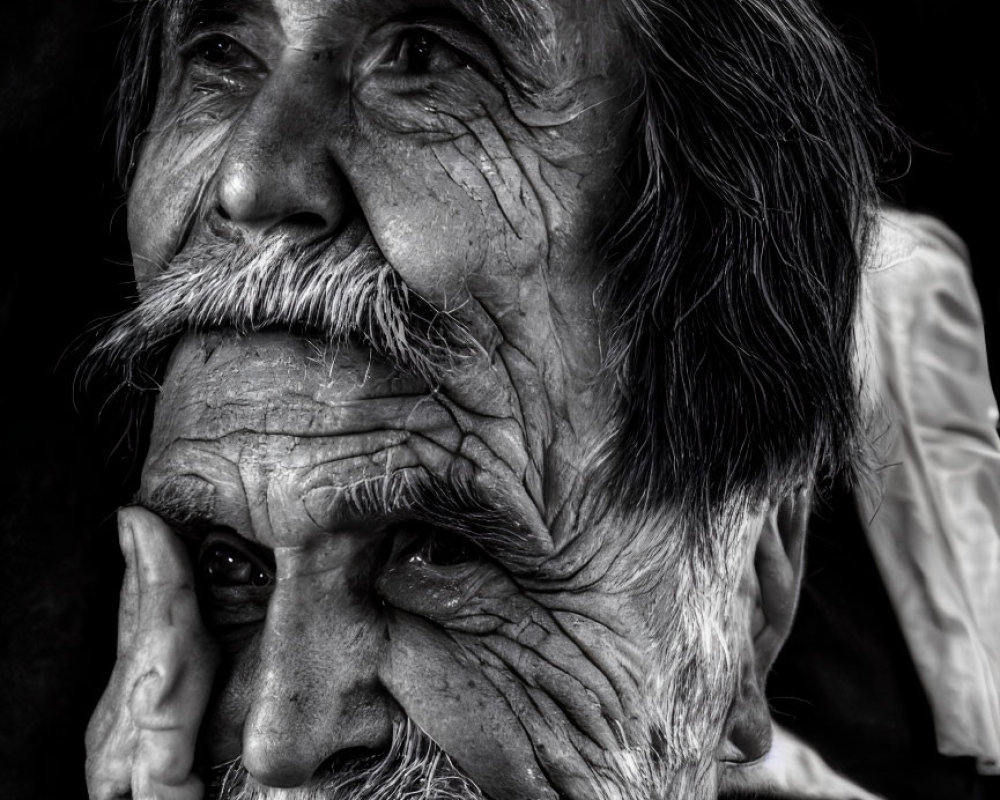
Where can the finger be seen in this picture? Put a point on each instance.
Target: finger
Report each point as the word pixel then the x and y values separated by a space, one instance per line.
pixel 168 728
pixel 160 559
pixel 111 734
pixel 174 663
pixel 110 744
pixel 128 604
pixel 143 788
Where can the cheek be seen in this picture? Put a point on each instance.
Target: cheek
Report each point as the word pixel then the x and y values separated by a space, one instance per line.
pixel 174 168
pixel 463 708
pixel 447 213
pixel 504 686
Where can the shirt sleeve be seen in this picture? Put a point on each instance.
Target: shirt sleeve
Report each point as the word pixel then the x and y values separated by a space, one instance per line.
pixel 931 517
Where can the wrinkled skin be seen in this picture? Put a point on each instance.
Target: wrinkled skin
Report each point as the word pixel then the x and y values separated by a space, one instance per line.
pixel 521 656
pixel 276 469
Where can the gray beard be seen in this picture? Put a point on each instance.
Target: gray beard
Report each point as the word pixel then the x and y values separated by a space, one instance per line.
pixel 414 768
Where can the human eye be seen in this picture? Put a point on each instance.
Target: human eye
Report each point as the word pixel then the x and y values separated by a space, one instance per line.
pixel 432 571
pixel 235 580
pixel 225 565
pixel 219 51
pixel 422 545
pixel 420 73
pixel 419 51
pixel 218 66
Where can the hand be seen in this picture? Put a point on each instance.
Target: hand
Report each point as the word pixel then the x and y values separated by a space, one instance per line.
pixel 141 738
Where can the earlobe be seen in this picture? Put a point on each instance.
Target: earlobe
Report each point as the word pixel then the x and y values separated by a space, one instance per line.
pixel 769 594
pixel 748 730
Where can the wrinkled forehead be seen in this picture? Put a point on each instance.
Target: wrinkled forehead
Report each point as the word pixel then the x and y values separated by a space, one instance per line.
pixel 542 35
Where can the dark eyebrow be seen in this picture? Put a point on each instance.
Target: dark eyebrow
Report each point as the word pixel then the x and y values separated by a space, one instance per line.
pixel 189 16
pixel 523 19
pixel 519 29
pixel 524 22
pixel 454 505
pixel 185 503
pixel 461 507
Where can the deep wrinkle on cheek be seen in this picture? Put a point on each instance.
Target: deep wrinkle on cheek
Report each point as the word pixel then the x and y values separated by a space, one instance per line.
pixel 168 191
pixel 509 665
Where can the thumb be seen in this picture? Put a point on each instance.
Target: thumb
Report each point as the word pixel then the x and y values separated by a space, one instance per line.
pixel 145 728
pixel 175 663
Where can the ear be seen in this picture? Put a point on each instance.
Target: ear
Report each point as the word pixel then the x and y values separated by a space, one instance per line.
pixel 769 594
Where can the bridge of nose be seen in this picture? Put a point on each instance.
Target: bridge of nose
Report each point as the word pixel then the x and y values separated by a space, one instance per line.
pixel 315 691
pixel 279 170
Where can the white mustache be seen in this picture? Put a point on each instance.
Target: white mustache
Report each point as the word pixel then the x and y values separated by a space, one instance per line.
pixel 279 283
pixel 414 768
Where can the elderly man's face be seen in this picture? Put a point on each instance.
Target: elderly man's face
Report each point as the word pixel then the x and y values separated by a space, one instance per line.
pixel 387 530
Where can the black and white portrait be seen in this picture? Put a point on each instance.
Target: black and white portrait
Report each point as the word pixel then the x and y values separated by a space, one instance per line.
pixel 499 400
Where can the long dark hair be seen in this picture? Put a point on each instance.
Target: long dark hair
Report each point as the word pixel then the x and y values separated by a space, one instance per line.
pixel 735 267
pixel 736 270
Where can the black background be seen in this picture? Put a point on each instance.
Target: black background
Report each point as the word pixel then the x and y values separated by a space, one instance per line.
pixel 67 466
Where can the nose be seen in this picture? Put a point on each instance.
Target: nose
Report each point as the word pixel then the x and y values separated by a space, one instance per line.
pixel 316 694
pixel 278 171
